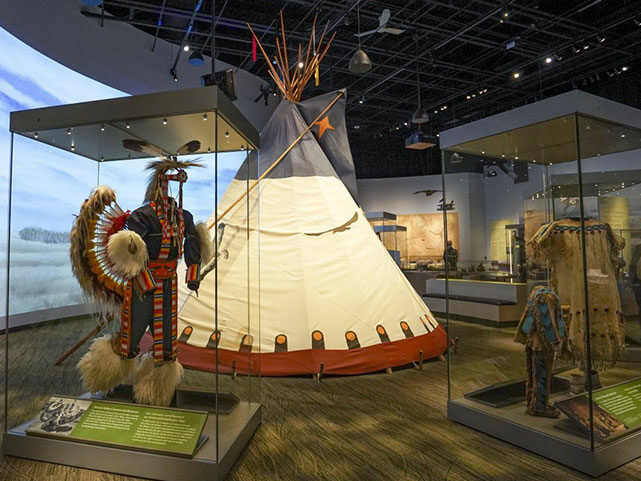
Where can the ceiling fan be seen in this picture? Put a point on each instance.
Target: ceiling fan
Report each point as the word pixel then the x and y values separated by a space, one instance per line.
pixel 382 26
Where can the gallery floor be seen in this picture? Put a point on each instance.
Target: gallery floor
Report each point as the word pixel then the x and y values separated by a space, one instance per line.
pixel 372 427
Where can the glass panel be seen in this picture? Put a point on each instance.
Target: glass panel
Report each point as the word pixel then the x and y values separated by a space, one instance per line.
pixel 48 186
pixel 501 194
pixel 610 180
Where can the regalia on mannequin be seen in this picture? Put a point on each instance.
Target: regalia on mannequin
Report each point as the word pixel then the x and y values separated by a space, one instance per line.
pixel 127 262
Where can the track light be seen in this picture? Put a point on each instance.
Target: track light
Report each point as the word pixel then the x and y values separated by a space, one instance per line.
pixel 102 128
pixel 301 64
pixel 548 59
pixel 600 38
pixel 624 68
pixel 361 100
pixel 516 75
pixel 35 135
pixel 637 21
pixel 204 117
pixel 576 49
pixel 586 46
pixel 558 57
pixel 69 131
pixel 164 121
pixel 127 125
pixel 186 48
pixel 174 75
pixel 226 134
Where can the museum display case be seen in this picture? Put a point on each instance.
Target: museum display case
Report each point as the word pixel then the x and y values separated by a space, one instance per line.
pixel 547 360
pixel 392 235
pixel 204 309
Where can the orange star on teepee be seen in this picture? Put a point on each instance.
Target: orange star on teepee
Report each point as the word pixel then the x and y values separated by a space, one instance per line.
pixel 323 125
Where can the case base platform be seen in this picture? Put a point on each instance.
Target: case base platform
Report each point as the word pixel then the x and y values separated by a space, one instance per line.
pixel 234 432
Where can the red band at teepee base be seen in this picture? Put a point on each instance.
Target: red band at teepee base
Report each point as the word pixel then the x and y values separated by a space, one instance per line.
pixel 292 363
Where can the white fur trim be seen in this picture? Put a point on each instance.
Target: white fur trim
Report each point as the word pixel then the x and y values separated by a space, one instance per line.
pixel 101 368
pixel 156 385
pixel 206 246
pixel 127 252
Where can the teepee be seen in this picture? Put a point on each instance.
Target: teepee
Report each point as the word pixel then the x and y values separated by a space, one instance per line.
pixel 302 278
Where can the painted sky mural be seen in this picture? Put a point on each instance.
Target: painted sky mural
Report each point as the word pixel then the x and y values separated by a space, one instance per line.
pixel 50 184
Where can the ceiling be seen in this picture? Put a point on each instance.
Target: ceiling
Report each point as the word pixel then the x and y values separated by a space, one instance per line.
pixel 459 47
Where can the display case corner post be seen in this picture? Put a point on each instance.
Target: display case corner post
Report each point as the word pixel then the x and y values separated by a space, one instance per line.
pixel 216 252
pixel 588 343
pixel 447 283
pixel 7 285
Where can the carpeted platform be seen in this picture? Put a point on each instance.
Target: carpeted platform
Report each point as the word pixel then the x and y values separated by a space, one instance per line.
pixel 371 427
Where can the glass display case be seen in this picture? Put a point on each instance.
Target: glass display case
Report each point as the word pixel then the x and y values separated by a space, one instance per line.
pixel 392 235
pixel 59 156
pixel 560 183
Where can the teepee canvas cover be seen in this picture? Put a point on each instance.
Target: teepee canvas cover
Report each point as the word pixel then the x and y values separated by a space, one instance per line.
pixel 329 291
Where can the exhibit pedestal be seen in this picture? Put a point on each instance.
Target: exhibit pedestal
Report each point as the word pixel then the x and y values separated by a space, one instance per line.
pixel 557 447
pixel 234 432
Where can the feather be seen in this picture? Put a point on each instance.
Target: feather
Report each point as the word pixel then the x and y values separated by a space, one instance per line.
pixel 127 252
pixel 163 165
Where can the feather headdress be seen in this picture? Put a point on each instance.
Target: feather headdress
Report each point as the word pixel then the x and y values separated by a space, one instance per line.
pixel 165 163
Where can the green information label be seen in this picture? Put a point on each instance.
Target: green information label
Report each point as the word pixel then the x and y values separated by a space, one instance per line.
pixel 124 425
pixel 622 401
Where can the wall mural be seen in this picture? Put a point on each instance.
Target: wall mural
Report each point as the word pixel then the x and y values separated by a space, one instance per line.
pixel 49 184
pixel 425 234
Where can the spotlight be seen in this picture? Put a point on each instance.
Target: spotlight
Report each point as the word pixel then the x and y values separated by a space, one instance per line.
pixel 186 48
pixel 69 131
pixel 558 57
pixel 73 148
pixel 35 135
pixel 396 127
pixel 127 125
pixel 548 59
pixel 575 49
pixel 637 22
pixel 164 121
pixel 361 100
pixel 196 59
pixel 468 97
pixel 204 117
pixel 405 124
pixel 505 13
pixel 173 73
pixel 102 128
pixel 226 134
pixel 356 127
pixel 586 46
pixel 600 38
pixel 516 75
pixel 301 64
pixel 624 68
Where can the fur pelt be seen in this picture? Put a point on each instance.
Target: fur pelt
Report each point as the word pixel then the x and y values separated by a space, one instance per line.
pixel 101 368
pixel 127 252
pixel 156 385
pixel 80 240
pixel 206 247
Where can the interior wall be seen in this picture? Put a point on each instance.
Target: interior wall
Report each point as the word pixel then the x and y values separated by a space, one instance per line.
pixel 396 195
pixel 117 54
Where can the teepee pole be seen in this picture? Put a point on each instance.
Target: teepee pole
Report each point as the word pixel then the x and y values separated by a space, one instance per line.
pixel 277 161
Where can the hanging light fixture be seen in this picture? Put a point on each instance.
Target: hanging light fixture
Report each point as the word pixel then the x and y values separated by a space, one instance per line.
pixel 196 58
pixel 420 115
pixel 360 62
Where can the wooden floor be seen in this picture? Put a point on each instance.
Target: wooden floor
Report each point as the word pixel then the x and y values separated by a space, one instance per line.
pixel 371 427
